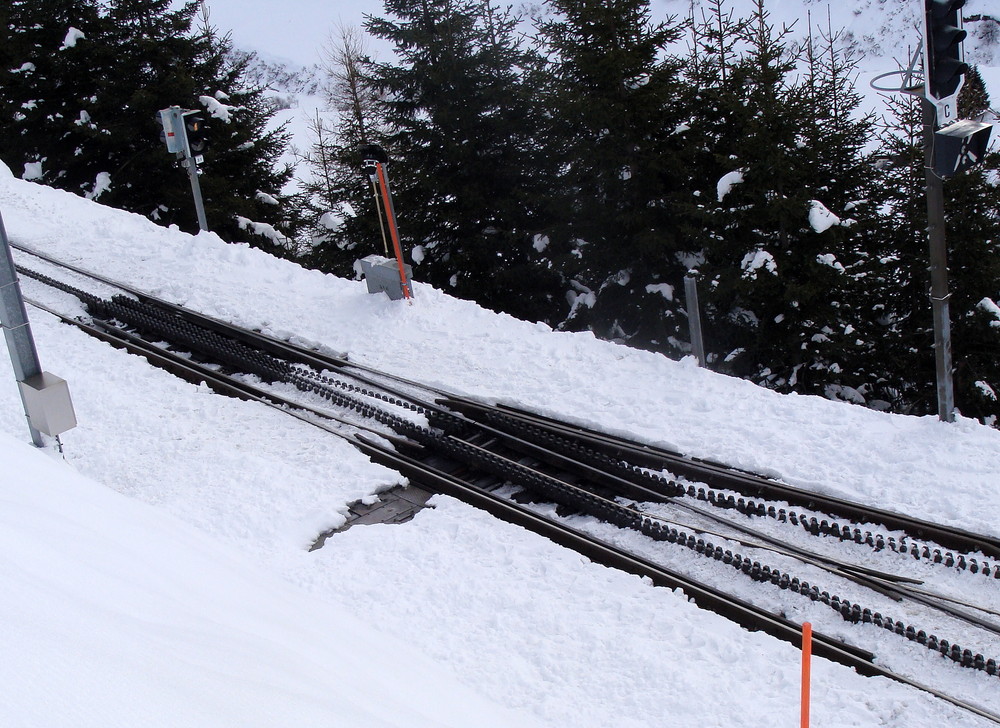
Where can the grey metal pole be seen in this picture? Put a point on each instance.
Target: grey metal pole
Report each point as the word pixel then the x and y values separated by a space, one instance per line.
pixel 16 329
pixel 694 318
pixel 939 271
pixel 199 204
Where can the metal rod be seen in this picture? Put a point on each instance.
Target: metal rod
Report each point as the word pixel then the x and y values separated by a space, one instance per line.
pixel 390 214
pixel 199 204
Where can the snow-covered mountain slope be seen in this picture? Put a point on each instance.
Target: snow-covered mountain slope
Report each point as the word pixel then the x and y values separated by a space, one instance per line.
pixel 527 624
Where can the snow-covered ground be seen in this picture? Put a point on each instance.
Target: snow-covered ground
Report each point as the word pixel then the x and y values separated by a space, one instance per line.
pixel 162 571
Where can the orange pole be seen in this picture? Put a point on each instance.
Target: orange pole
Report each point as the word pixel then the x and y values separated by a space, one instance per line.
pixel 807 635
pixel 393 232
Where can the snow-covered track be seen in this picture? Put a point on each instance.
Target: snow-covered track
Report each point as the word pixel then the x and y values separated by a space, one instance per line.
pixel 750 485
pixel 472 451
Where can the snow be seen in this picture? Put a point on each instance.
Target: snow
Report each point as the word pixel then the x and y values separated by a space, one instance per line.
pixel 102 183
pixel 33 170
pixel 117 614
pixel 160 575
pixel 831 260
pixel 178 586
pixel 726 183
pixel 217 109
pixel 72 36
pixel 820 218
pixel 331 221
pixel 989 306
pixel 261 228
pixel 664 289
pixel 755 260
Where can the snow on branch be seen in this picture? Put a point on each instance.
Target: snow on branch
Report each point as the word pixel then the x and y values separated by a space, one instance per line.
pixel 262 229
pixel 753 262
pixel 217 109
pixel 989 306
pixel 72 36
pixel 831 260
pixel 820 218
pixel 725 185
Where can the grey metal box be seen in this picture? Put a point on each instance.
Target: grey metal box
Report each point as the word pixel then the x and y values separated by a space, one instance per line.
pixel 48 404
pixel 382 276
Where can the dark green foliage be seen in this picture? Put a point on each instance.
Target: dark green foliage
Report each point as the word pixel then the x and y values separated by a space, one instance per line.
pixel 465 168
pixel 615 103
pixel 777 155
pixel 47 93
pixel 89 112
pixel 898 279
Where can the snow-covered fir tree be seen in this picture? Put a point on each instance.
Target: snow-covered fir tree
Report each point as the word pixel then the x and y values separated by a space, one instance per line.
pixel 616 107
pixel 80 93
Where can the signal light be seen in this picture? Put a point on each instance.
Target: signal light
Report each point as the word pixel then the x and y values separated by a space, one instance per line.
pixel 194 128
pixel 944 57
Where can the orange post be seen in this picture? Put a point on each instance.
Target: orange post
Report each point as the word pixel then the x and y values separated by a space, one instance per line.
pixel 390 214
pixel 807 636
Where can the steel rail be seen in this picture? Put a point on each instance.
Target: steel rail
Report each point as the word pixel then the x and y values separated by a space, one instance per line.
pixel 746 615
pixel 185 364
pixel 722 476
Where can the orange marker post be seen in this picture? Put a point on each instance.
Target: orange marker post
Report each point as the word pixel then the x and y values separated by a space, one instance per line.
pixel 393 232
pixel 807 636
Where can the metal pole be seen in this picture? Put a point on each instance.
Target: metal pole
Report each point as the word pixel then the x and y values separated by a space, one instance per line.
pixel 694 318
pixel 199 205
pixel 16 330
pixel 939 271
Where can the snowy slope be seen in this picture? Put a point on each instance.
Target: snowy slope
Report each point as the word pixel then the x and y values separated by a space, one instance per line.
pixel 526 624
pixel 115 614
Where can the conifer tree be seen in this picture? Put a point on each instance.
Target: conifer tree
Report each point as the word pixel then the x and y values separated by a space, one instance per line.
pixel 779 168
pixel 91 100
pixel 898 272
pixel 463 163
pixel 48 91
pixel 616 104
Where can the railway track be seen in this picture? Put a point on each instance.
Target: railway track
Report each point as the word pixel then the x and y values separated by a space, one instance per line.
pixel 621 503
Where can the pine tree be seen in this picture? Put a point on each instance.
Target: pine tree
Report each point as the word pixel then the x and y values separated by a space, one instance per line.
pixel 92 112
pixel 899 278
pixel 972 204
pixel 464 165
pixel 780 167
pixel 616 102
pixel 48 92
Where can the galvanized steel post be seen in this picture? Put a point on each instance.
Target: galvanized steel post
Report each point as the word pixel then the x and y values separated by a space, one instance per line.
pixel 16 329
pixel 694 318
pixel 939 271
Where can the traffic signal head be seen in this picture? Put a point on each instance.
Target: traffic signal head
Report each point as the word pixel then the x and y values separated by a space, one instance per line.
pixel 194 128
pixel 944 64
pixel 372 154
pixel 172 120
